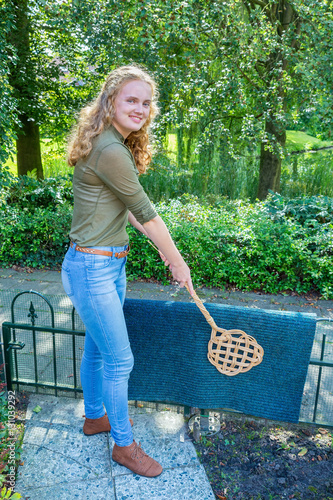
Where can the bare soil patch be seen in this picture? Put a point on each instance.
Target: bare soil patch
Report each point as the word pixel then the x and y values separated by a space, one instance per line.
pixel 263 460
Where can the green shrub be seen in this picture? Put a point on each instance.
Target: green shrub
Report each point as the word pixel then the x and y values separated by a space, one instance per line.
pixel 307 210
pixel 279 245
pixel 30 193
pixel 35 238
pixel 8 494
pixel 239 244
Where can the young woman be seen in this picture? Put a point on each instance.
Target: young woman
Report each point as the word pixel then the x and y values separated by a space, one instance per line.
pixel 109 148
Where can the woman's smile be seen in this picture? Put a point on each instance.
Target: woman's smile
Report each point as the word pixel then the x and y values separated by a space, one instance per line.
pixel 137 119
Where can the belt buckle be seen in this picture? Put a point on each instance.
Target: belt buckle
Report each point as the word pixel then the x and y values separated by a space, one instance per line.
pixel 120 255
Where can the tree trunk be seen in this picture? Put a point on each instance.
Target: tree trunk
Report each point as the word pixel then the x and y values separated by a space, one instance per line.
pixel 28 148
pixel 23 80
pixel 270 164
pixel 282 15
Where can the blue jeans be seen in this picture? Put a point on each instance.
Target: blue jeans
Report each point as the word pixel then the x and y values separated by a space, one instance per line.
pixel 96 286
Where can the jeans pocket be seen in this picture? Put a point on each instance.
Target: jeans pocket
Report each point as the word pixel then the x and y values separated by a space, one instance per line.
pixel 67 282
pixel 96 261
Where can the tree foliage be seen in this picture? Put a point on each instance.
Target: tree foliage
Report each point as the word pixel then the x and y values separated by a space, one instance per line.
pixel 241 73
pixel 8 108
pixel 43 49
pixel 233 76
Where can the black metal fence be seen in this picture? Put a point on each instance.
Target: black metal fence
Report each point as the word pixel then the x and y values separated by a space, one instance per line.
pixel 43 350
pixel 39 353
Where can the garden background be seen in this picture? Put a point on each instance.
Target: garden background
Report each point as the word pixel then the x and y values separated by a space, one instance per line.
pixel 242 171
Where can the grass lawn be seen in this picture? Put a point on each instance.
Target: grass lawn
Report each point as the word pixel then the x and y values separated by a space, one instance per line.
pixel 297 141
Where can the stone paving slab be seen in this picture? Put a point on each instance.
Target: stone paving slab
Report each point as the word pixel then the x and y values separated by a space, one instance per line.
pixel 59 461
pixel 101 489
pixel 176 484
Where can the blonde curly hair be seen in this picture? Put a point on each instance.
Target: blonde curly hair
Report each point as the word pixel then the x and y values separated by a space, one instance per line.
pixel 98 116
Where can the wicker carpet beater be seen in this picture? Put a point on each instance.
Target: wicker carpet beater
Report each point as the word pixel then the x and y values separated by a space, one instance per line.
pixel 230 351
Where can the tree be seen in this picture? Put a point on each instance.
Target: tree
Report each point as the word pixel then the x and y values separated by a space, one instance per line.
pixel 243 72
pixel 23 80
pixel 43 49
pixel 296 27
pixel 8 115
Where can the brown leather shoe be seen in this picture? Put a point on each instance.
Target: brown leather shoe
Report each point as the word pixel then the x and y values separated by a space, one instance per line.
pixel 96 425
pixel 134 458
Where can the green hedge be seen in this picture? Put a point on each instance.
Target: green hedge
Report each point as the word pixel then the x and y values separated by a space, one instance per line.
pixel 35 220
pixel 35 239
pixel 248 246
pixel 274 246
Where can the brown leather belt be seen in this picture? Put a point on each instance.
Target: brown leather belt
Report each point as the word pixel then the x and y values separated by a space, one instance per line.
pixel 94 251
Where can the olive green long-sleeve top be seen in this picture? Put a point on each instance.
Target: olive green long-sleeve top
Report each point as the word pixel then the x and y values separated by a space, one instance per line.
pixel 106 187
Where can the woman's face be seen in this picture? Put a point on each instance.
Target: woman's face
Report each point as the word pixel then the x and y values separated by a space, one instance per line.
pixel 132 106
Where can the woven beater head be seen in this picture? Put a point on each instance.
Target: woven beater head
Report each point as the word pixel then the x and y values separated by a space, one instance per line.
pixel 233 351
pixel 230 351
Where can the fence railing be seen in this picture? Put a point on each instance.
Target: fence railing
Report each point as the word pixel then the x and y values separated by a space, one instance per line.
pixel 47 357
